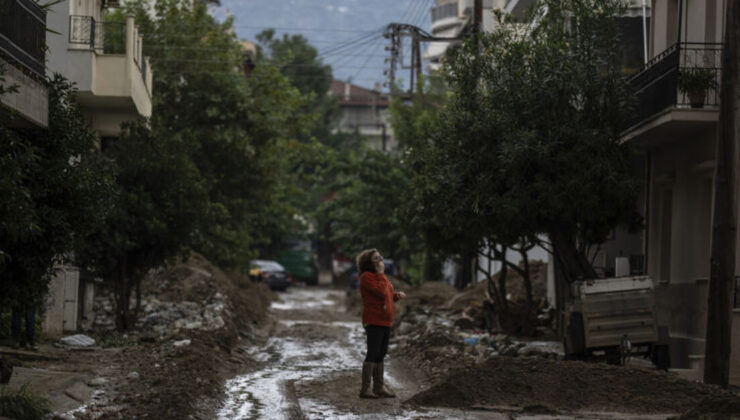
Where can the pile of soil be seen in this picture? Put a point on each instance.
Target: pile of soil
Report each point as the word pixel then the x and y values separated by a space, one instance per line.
pixel 718 407
pixel 180 374
pixel 567 386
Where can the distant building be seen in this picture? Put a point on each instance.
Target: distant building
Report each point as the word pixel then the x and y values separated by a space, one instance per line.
pixel 22 32
pixel 364 111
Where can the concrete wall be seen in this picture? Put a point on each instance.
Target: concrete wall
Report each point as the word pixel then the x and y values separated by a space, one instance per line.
pixel 702 22
pixel 30 102
pixel 680 235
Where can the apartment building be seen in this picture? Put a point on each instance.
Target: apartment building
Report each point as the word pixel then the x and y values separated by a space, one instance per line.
pixel 675 127
pixel 104 59
pixel 22 32
pixel 365 112
pixel 114 85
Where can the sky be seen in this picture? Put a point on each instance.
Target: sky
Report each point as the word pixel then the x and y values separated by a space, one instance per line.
pixel 328 24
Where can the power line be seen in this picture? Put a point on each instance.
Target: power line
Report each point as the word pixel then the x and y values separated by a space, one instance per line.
pixel 277 28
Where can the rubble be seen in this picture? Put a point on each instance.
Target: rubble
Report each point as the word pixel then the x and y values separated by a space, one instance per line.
pixel 77 340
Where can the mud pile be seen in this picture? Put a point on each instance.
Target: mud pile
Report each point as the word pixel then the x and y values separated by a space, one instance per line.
pixel 567 386
pixel 718 407
pixel 438 329
pixel 194 317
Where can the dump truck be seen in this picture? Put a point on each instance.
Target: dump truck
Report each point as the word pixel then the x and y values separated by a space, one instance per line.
pixel 616 318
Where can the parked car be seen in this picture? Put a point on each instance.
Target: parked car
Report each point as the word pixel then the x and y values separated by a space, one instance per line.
pixel 270 272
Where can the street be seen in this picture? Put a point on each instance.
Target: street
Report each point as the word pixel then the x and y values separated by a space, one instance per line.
pixel 311 367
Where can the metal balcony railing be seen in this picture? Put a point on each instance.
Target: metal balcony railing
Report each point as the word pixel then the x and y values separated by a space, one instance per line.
pixel 656 87
pixel 444 11
pixel 23 33
pixel 103 37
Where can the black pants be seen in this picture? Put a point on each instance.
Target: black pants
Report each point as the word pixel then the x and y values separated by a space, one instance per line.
pixel 15 325
pixel 377 343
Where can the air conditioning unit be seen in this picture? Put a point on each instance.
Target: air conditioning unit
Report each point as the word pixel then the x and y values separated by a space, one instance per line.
pixel 111 3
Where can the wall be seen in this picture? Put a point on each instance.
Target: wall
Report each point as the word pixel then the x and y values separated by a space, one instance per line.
pixel 680 235
pixel 31 101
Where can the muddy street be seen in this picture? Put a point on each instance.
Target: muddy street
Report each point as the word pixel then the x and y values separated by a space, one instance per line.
pixel 311 367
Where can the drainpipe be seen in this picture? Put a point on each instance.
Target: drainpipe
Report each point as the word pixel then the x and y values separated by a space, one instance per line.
pixel 130 39
pixel 644 30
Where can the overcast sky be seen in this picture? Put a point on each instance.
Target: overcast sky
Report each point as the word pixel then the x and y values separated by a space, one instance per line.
pixel 329 23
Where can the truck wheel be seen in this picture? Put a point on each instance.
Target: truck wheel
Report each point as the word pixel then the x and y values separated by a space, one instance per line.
pixel 661 357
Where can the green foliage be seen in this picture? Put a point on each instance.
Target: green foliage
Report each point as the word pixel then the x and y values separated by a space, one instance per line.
pixel 365 211
pixel 21 404
pixel 57 191
pixel 528 140
pixel 697 79
pixel 234 128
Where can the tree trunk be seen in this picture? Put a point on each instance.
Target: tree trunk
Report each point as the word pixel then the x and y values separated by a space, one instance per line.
pixel 123 297
pixel 722 263
pixel 575 264
pixel 527 326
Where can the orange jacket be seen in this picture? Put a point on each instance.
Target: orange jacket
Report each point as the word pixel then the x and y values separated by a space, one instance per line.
pixel 377 299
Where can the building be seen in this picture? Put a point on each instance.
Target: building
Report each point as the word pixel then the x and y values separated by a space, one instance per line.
pixel 365 112
pixel 676 130
pixel 114 85
pixel 104 59
pixel 22 33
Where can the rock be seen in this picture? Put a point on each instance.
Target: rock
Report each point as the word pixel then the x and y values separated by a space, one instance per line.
pixel 133 375
pixel 79 392
pixel 405 328
pixel 542 349
pixel 97 382
pixel 182 343
pixel 77 340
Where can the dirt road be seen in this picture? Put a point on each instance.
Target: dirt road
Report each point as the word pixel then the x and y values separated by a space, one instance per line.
pixel 311 369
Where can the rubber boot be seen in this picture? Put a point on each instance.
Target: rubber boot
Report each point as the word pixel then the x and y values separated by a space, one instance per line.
pixel 379 387
pixel 367 376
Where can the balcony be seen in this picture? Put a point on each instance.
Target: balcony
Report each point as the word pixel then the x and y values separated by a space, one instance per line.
pixel 22 35
pixel 444 17
pixel 661 108
pixel 114 83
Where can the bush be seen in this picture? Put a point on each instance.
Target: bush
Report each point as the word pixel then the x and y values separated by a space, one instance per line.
pixel 22 405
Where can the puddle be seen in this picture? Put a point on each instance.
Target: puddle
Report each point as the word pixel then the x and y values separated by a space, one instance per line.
pixel 307 299
pixel 314 349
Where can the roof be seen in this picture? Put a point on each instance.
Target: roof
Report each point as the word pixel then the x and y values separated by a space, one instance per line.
pixel 348 94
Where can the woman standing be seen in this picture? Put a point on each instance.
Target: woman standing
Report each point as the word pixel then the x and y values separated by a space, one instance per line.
pixel 378 312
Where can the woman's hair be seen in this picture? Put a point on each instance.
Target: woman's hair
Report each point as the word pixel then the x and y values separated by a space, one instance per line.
pixel 365 261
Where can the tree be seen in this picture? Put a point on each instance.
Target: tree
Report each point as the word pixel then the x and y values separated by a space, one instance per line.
pixel 203 172
pixel 722 267
pixel 235 126
pixel 56 190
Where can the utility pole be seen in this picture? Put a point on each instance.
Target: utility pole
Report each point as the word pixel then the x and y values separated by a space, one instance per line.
pixel 478 17
pixel 722 269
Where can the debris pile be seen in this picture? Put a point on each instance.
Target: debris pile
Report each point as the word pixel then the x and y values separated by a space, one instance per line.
pixel 568 386
pixel 438 328
pixel 192 323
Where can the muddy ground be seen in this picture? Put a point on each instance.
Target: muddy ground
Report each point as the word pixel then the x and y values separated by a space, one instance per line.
pixel 247 353
pixel 164 369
